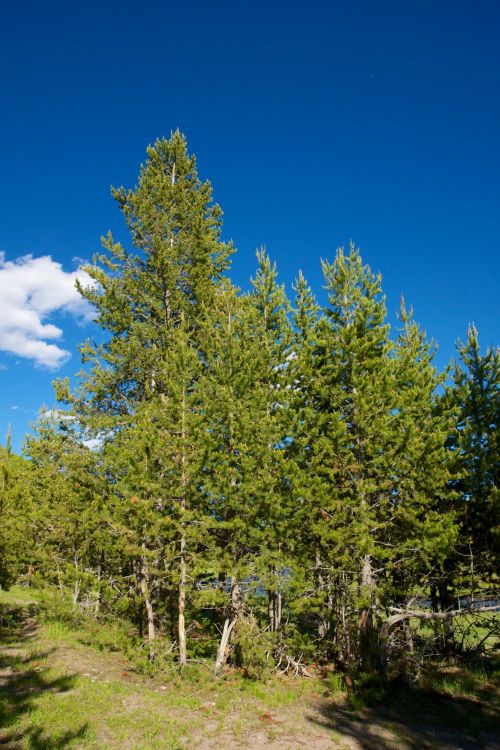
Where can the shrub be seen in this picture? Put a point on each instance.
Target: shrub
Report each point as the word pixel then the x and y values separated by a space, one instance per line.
pixel 253 649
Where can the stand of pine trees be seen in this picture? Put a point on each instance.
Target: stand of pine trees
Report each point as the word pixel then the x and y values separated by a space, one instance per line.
pixel 249 479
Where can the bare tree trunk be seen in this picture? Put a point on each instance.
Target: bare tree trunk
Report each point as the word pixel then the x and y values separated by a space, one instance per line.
pixel 320 584
pixel 224 643
pixel 234 610
pixel 97 605
pixel 229 623
pixel 274 606
pixel 76 586
pixel 341 633
pixel 144 589
pixel 325 615
pixel 384 634
pixel 401 615
pixel 450 645
pixel 271 610
pixel 182 605
pixel 182 571
pixel 365 621
pixel 435 608
pixel 59 579
pixel 76 592
pixel 408 638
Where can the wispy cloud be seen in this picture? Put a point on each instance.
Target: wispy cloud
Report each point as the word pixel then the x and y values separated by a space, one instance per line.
pixel 31 289
pixel 57 415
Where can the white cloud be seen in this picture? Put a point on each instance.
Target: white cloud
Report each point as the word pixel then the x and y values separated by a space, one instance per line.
pixel 93 443
pixel 57 415
pixel 31 289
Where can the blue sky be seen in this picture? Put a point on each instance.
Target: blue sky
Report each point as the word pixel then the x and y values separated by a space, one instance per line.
pixel 317 123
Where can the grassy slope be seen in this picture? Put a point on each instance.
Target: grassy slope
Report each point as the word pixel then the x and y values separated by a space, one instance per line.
pixel 59 692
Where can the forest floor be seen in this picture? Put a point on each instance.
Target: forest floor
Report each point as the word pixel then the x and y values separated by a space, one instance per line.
pixel 58 692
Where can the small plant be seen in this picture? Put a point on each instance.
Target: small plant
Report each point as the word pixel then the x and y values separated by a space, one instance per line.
pixel 253 649
pixel 55 608
pixel 336 682
pixel 153 658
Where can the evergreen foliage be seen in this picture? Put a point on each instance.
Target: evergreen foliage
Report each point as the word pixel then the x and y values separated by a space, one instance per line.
pixel 247 479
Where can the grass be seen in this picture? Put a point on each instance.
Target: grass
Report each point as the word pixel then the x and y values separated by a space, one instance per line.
pixel 42 706
pixel 59 692
pixel 471 630
pixel 68 682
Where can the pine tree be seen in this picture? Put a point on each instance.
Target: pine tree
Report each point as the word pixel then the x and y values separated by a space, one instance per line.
pixel 150 303
pixel 423 530
pixel 177 260
pixel 156 465
pixel 357 382
pixel 475 393
pixel 234 403
pixel 246 397
pixel 272 337
pixel 314 429
pixel 68 502
pixel 15 513
pixel 291 478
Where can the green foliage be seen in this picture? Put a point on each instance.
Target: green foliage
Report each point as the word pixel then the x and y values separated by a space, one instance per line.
pixel 253 649
pixel 475 394
pixel 237 478
pixel 15 513
pixel 53 607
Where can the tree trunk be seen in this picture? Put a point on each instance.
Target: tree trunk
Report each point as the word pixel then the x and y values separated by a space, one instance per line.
pixel 274 606
pixel 76 586
pixel 435 608
pixel 235 603
pixel 229 623
pixel 224 643
pixel 450 645
pixel 76 592
pixel 59 579
pixel 383 640
pixel 325 615
pixel 341 634
pixel 182 570
pixel 365 621
pixel 144 589
pixel 402 615
pixel 182 605
pixel 270 610
pixel 279 609
pixel 97 605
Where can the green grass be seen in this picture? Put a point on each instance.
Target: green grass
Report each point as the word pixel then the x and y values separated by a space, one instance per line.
pixel 69 682
pixel 42 706
pixel 471 631
pixel 93 698
pixel 475 680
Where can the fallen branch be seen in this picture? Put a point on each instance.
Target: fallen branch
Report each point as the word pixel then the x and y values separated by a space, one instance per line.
pixel 292 666
pixel 446 615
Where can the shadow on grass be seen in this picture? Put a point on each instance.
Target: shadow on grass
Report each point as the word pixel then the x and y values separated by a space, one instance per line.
pixel 22 682
pixel 413 719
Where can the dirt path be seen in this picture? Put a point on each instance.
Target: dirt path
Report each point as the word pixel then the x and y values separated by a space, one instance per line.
pixel 57 693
